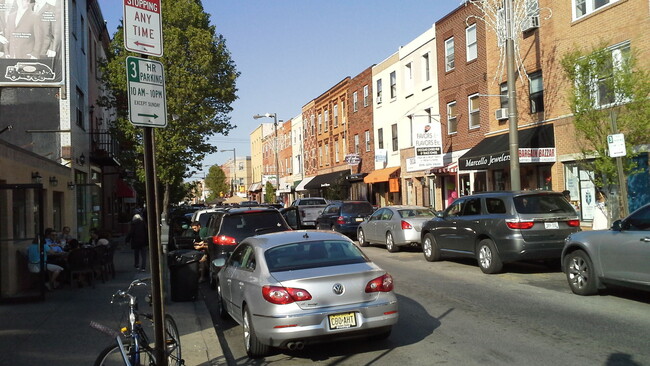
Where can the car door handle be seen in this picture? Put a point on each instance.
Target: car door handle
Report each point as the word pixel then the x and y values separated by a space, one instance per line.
pixel 646 239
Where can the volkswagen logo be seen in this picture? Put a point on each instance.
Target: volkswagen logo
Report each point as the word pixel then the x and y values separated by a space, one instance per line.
pixel 338 289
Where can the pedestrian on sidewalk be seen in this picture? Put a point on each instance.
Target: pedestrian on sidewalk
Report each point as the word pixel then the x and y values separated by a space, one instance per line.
pixel 138 236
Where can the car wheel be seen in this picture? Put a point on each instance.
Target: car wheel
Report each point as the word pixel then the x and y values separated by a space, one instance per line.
pixel 430 248
pixel 390 243
pixel 488 258
pixel 362 239
pixel 254 348
pixel 221 306
pixel 580 273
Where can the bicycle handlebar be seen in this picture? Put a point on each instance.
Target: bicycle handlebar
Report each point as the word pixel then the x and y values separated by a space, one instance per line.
pixel 120 294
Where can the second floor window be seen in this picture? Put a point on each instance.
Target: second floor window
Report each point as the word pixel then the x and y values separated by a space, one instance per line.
pixel 536 90
pixel 585 7
pixel 472 47
pixel 474 112
pixel 503 95
pixel 367 140
pixel 452 119
pixel 378 91
pixel 380 138
pixel 356 144
pixel 393 85
pixel 449 54
pixel 394 136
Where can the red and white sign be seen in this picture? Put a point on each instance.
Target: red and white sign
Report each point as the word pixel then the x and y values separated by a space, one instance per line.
pixel 143 27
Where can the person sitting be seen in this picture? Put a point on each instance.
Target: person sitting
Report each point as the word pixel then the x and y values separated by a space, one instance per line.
pixel 51 239
pixel 34 264
pixel 64 236
pixel 201 245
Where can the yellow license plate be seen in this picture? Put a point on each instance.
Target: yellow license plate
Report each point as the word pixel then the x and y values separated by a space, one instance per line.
pixel 342 321
pixel 359 219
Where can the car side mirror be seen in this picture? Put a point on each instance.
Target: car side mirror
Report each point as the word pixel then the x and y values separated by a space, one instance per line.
pixel 617 225
pixel 440 214
pixel 185 226
pixel 219 262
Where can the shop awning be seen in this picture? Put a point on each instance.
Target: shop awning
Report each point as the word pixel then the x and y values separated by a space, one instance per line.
pixel 255 187
pixel 447 169
pixel 301 186
pixel 536 145
pixel 327 179
pixel 124 190
pixel 381 175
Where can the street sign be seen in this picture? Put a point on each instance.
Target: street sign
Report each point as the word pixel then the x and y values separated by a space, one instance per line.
pixel 616 145
pixel 146 89
pixel 143 27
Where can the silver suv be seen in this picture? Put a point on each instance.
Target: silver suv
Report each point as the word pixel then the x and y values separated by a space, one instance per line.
pixel 501 227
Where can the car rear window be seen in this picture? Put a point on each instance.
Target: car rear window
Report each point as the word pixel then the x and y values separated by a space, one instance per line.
pixel 495 205
pixel 242 226
pixel 357 208
pixel 542 204
pixel 311 202
pixel 315 254
pixel 416 213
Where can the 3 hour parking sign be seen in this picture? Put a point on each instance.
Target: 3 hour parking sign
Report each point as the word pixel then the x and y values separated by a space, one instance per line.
pixel 146 90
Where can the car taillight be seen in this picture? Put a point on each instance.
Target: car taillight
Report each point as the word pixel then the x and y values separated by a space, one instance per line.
pixel 520 224
pixel 224 240
pixel 340 220
pixel 284 295
pixel 406 225
pixel 573 223
pixel 380 284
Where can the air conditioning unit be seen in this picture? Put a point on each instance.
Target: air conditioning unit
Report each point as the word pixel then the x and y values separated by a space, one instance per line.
pixel 379 99
pixel 501 113
pixel 530 23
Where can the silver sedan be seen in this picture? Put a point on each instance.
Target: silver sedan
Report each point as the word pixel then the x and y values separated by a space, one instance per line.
pixel 295 288
pixel 394 226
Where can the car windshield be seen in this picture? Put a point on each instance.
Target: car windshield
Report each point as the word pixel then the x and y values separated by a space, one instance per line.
pixel 542 204
pixel 242 226
pixel 315 254
pixel 357 208
pixel 416 212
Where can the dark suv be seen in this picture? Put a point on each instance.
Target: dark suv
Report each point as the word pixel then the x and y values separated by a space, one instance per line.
pixel 501 227
pixel 227 228
pixel 344 216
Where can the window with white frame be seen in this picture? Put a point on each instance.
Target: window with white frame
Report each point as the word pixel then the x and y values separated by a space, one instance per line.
pixel 474 112
pixel 586 7
pixel 356 143
pixel 393 85
pixel 327 120
pixel 605 91
pixel 380 138
pixel 449 54
pixel 408 78
pixel 313 125
pixel 336 115
pixel 367 140
pixel 394 137
pixel 366 95
pixel 536 92
pixel 343 112
pixel 327 154
pixel 355 101
pixel 378 91
pixel 472 45
pixel 452 118
pixel 336 151
pixel 426 68
pixel 320 156
pixel 320 123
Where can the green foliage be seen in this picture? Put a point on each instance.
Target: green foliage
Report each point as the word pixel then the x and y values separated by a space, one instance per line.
pixel 269 196
pixel 337 191
pixel 200 86
pixel 216 181
pixel 608 86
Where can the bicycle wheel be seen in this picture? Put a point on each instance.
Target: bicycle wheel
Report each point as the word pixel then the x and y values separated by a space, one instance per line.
pixel 172 342
pixel 111 356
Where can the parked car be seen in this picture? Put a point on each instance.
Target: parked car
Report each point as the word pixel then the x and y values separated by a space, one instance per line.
pixel 296 288
pixel 308 209
pixel 344 216
pixel 395 226
pixel 248 204
pixel 229 227
pixel 618 256
pixel 501 227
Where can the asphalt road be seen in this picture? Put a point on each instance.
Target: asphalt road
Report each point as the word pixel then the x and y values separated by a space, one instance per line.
pixel 451 313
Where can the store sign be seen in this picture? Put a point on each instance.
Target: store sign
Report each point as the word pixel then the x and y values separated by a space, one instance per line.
pixel 526 155
pixel 381 156
pixel 427 141
pixel 353 159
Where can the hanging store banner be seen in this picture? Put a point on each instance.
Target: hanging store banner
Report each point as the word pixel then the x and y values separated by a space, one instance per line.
pixel 31 43
pixel 427 140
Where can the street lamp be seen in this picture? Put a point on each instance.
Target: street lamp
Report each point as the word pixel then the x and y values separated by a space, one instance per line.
pixel 275 124
pixel 234 171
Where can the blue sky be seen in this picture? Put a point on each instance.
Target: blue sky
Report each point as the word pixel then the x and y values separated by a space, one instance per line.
pixel 291 51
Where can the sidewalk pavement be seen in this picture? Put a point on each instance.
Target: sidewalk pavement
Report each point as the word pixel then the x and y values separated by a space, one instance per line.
pixel 57 332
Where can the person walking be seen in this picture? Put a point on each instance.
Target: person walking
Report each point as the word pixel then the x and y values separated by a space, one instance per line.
pixel 138 236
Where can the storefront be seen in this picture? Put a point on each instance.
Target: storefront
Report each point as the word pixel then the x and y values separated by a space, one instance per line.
pixel 385 189
pixel 333 186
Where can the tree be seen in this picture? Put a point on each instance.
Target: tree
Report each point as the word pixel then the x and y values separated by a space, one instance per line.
pixel 269 196
pixel 608 90
pixel 216 182
pixel 200 86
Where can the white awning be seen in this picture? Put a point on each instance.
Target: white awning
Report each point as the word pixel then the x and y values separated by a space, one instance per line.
pixel 301 186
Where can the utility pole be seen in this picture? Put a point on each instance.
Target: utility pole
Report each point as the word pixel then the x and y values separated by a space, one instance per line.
pixel 513 130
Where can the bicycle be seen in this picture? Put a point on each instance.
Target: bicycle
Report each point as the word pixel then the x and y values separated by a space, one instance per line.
pixel 132 347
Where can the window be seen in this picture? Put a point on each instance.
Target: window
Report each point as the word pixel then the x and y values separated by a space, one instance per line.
pixel 378 91
pixel 312 125
pixel 367 140
pixel 585 7
pixel 394 136
pixel 80 109
pixel 474 115
pixel 320 156
pixel 495 206
pixel 327 154
pixel 355 101
pixel 327 120
pixel 336 115
pixel 536 90
pixel 503 92
pixel 366 96
pixel 472 207
pixel 356 144
pixel 408 79
pixel 320 123
pixel 393 85
pixel 605 83
pixel 73 27
pixel 449 54
pixel 336 151
pixel 82 36
pixel 426 68
pixel 452 118
pixel 470 39
pixel 380 138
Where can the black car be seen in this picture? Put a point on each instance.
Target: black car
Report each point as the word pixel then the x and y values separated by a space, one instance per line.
pixel 344 216
pixel 228 227
pixel 501 227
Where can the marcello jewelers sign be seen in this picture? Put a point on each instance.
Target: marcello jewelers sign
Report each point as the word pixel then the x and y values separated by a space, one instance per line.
pixel 499 160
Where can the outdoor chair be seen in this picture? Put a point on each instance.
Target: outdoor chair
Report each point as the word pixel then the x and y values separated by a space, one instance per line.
pixel 82 263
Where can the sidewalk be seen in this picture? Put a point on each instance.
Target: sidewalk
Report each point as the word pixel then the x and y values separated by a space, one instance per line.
pixel 57 332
